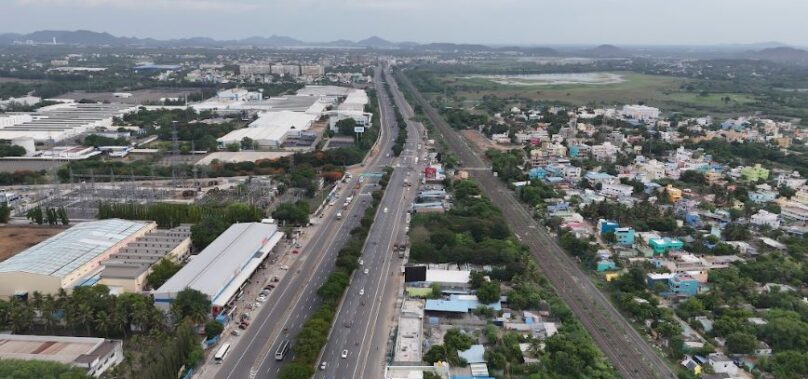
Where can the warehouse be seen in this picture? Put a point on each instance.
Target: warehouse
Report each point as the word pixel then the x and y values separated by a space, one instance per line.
pixel 95 355
pixel 126 270
pixel 221 269
pixel 63 121
pixel 68 258
pixel 271 129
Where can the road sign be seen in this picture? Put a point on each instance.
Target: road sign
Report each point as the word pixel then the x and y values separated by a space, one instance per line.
pixel 359 129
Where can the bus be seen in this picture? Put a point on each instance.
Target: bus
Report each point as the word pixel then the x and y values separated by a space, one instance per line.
pixel 221 353
pixel 283 349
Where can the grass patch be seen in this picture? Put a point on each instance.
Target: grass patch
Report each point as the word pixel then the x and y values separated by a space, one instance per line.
pixel 665 92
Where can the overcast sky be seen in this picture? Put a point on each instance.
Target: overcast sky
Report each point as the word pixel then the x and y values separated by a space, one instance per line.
pixel 474 21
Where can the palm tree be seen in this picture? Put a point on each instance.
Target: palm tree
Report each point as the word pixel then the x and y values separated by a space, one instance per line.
pixel 103 323
pixel 20 316
pixel 48 309
pixel 82 315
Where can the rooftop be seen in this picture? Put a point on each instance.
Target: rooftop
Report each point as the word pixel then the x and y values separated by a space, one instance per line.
pixel 68 350
pixel 215 269
pixel 69 250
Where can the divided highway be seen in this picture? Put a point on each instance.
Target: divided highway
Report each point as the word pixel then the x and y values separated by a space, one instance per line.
pixel 295 298
pixel 357 343
pixel 632 355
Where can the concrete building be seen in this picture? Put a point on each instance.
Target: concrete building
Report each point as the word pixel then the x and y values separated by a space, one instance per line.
pixel 352 107
pixel 617 190
pixel 624 236
pixel 66 259
pixel 63 121
pixel 221 270
pixel 255 68
pixel 95 355
pixel 410 332
pixel 271 129
pixel 126 270
pixel 640 112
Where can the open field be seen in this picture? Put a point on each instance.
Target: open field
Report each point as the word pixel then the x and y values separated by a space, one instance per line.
pixel 604 90
pixel 14 239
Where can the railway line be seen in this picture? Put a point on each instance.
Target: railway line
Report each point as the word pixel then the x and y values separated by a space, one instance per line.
pixel 629 352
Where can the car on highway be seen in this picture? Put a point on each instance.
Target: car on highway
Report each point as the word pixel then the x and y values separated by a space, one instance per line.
pixel 385 209
pixel 366 271
pixel 261 298
pixel 361 292
pixel 344 354
pixel 322 365
pixel 361 262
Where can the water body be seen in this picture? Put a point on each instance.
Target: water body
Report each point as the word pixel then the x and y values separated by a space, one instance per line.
pixel 589 78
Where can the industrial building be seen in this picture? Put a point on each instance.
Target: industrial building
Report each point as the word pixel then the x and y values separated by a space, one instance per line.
pixel 352 107
pixel 68 258
pixel 126 270
pixel 95 355
pixel 271 129
pixel 62 121
pixel 221 270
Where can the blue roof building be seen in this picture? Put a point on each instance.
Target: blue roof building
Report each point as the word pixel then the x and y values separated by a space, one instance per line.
pixel 458 304
pixel 537 173
pixel 607 226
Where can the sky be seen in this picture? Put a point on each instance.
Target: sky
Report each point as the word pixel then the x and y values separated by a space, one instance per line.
pixel 522 22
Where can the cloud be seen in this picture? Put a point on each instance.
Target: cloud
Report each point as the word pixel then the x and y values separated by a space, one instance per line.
pixel 186 5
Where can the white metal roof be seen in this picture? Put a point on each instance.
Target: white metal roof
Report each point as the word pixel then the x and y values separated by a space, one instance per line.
pixel 221 264
pixel 65 252
pixel 271 126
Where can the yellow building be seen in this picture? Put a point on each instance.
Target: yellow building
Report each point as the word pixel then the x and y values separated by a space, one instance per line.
pixel 674 194
pixel 69 258
pixel 126 270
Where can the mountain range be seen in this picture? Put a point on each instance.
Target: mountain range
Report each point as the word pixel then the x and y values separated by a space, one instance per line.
pixel 771 51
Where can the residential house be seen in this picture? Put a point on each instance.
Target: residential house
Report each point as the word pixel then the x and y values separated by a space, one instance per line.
pixel 605 152
pixel 664 245
pixel 764 217
pixel 674 194
pixel 616 190
pixel 624 236
pixel 683 285
pixel 722 364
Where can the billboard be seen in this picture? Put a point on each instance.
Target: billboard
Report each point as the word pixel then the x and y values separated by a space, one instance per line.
pixel 359 129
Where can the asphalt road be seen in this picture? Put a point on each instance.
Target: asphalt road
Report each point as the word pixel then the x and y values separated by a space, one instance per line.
pixel 294 299
pixel 628 351
pixel 361 330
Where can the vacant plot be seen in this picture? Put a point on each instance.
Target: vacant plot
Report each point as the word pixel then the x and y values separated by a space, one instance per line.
pixel 604 89
pixel 14 239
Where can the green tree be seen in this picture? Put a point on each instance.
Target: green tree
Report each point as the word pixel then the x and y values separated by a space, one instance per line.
pixel 296 213
pixel 346 126
pixel 741 343
pixel 488 292
pixel 192 305
pixel 213 328
pixel 161 272
pixel 437 291
pixel 5 213
pixel 206 231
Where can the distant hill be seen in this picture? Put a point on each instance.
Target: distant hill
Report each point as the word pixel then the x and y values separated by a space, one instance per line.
pixel 376 43
pixel 605 51
pixel 783 54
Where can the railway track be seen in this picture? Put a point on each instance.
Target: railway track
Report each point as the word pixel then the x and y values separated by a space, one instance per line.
pixel 629 352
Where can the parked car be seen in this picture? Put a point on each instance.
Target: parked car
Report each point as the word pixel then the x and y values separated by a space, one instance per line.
pixel 344 354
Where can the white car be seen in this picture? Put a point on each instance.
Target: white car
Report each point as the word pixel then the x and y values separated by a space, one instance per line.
pixel 344 354
pixel 385 209
pixel 284 267
pixel 361 292
pixel 261 299
pixel 361 262
pixel 366 271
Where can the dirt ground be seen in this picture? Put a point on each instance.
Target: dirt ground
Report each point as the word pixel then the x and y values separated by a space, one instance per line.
pixel 482 143
pixel 14 238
